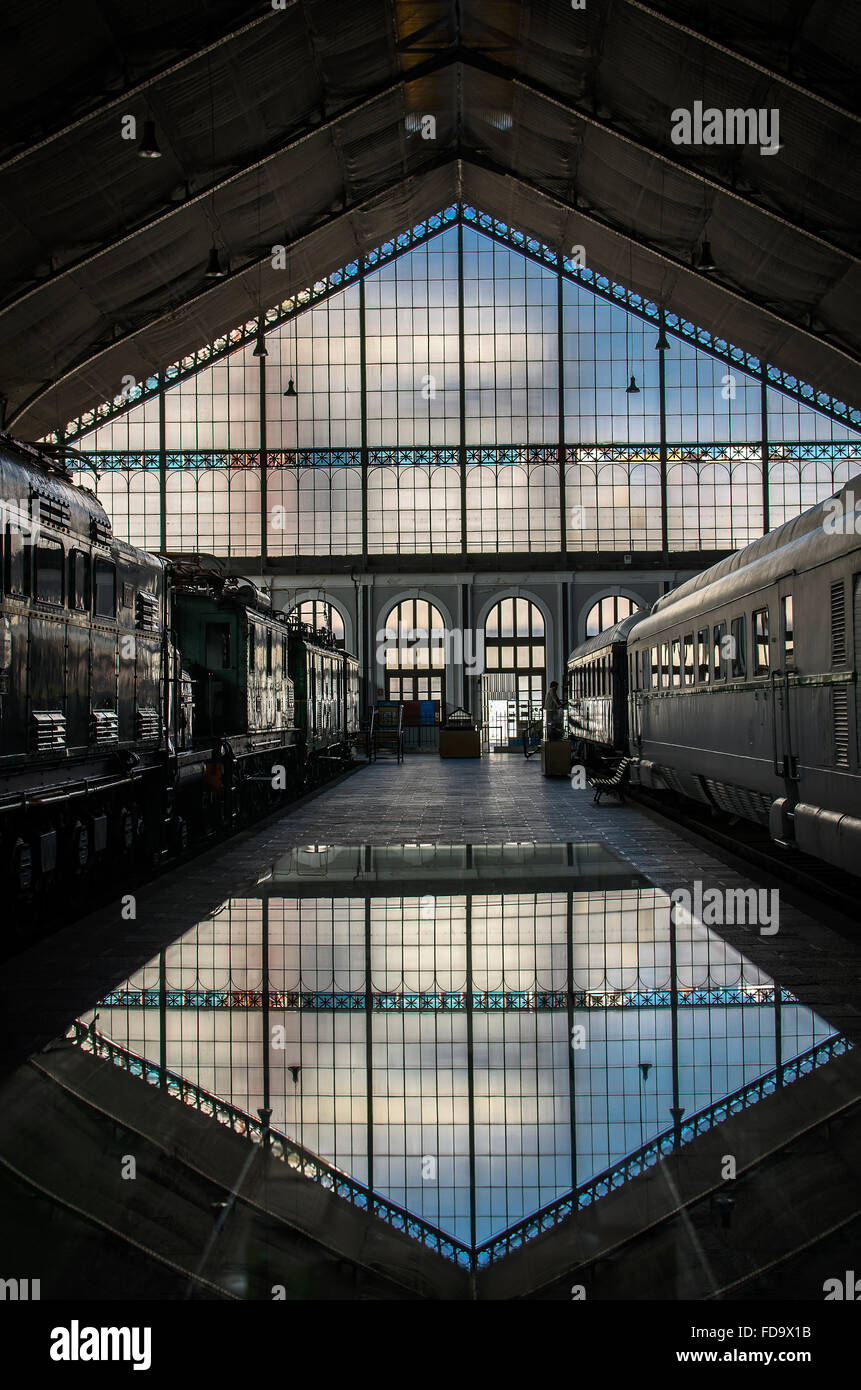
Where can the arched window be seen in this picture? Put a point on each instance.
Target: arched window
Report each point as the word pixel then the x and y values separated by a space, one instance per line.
pixel 319 614
pixel 516 663
pixel 609 611
pixel 414 645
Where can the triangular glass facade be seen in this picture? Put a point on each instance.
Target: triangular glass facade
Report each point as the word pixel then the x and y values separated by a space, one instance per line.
pixel 464 395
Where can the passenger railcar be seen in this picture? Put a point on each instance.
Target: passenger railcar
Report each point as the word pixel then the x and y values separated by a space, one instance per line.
pixel 326 681
pixel 597 691
pixel 743 684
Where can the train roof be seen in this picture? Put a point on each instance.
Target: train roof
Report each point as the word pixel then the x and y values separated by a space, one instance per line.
pixel 797 546
pixel 31 466
pixel 609 637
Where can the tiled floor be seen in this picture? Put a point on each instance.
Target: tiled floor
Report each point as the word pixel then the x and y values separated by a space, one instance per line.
pixel 424 799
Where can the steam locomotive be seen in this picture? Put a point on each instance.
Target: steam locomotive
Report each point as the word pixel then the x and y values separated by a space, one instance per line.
pixel 143 703
pixel 740 688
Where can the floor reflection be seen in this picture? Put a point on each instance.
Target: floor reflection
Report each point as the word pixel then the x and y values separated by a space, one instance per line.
pixel 470 1054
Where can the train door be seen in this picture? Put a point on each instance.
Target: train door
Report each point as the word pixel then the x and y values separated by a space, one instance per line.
pixel 783 673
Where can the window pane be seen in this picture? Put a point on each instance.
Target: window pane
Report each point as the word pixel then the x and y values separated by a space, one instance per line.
pixel 105 595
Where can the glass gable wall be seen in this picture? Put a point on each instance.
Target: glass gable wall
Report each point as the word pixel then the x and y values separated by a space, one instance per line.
pixel 463 395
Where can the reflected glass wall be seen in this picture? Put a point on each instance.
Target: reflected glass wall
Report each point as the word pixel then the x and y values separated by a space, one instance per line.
pixel 472 1055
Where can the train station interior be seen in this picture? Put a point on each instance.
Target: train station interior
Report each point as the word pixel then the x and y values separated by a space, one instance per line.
pixel 430 622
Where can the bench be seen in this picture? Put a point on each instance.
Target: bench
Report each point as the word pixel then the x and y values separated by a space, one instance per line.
pixel 614 780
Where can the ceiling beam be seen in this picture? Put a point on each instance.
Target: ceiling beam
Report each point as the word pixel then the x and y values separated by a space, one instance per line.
pixel 494 69
pixel 432 66
pixel 135 90
pixel 746 298
pixel 439 63
pixel 93 353
pixel 771 73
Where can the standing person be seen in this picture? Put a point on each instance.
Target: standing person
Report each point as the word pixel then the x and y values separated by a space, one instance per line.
pixel 553 711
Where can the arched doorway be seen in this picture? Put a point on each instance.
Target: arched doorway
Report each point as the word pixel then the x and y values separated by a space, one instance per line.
pixel 415 652
pixel 515 669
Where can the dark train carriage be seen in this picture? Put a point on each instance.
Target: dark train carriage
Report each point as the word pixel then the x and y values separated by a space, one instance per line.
pixel 84 662
pixel 326 682
pixel 235 650
pixel 597 691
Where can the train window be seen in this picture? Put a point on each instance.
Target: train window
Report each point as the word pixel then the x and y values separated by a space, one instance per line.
pixel 269 651
pixel 79 581
pixel 49 571
pixel 689 659
pixel 719 651
pixel 665 665
pixel 252 646
pixel 217 646
pixel 703 654
pixel 677 662
pixel 283 656
pixel 17 567
pixel 738 650
pixel 105 589
pixel 760 642
pixel 788 632
pixel 656 670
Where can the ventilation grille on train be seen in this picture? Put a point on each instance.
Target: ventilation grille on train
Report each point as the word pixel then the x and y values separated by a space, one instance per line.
pixel 100 531
pixel 104 727
pixel 838 624
pixel 739 801
pixel 840 720
pixel 148 724
pixel 148 612
pixel 51 510
pixel 49 731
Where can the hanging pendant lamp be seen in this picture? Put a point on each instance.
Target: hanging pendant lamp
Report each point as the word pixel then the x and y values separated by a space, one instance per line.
pixel 706 260
pixel 214 269
pixel 148 147
pixel 291 384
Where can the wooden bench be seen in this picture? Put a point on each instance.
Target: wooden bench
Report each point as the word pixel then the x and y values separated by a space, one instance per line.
pixel 615 781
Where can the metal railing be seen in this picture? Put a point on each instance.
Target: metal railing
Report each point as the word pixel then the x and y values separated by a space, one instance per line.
pixel 309 1165
pixel 301 1160
pixel 636 1163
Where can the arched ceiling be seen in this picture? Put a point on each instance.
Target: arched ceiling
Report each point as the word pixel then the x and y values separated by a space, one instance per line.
pixel 301 126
